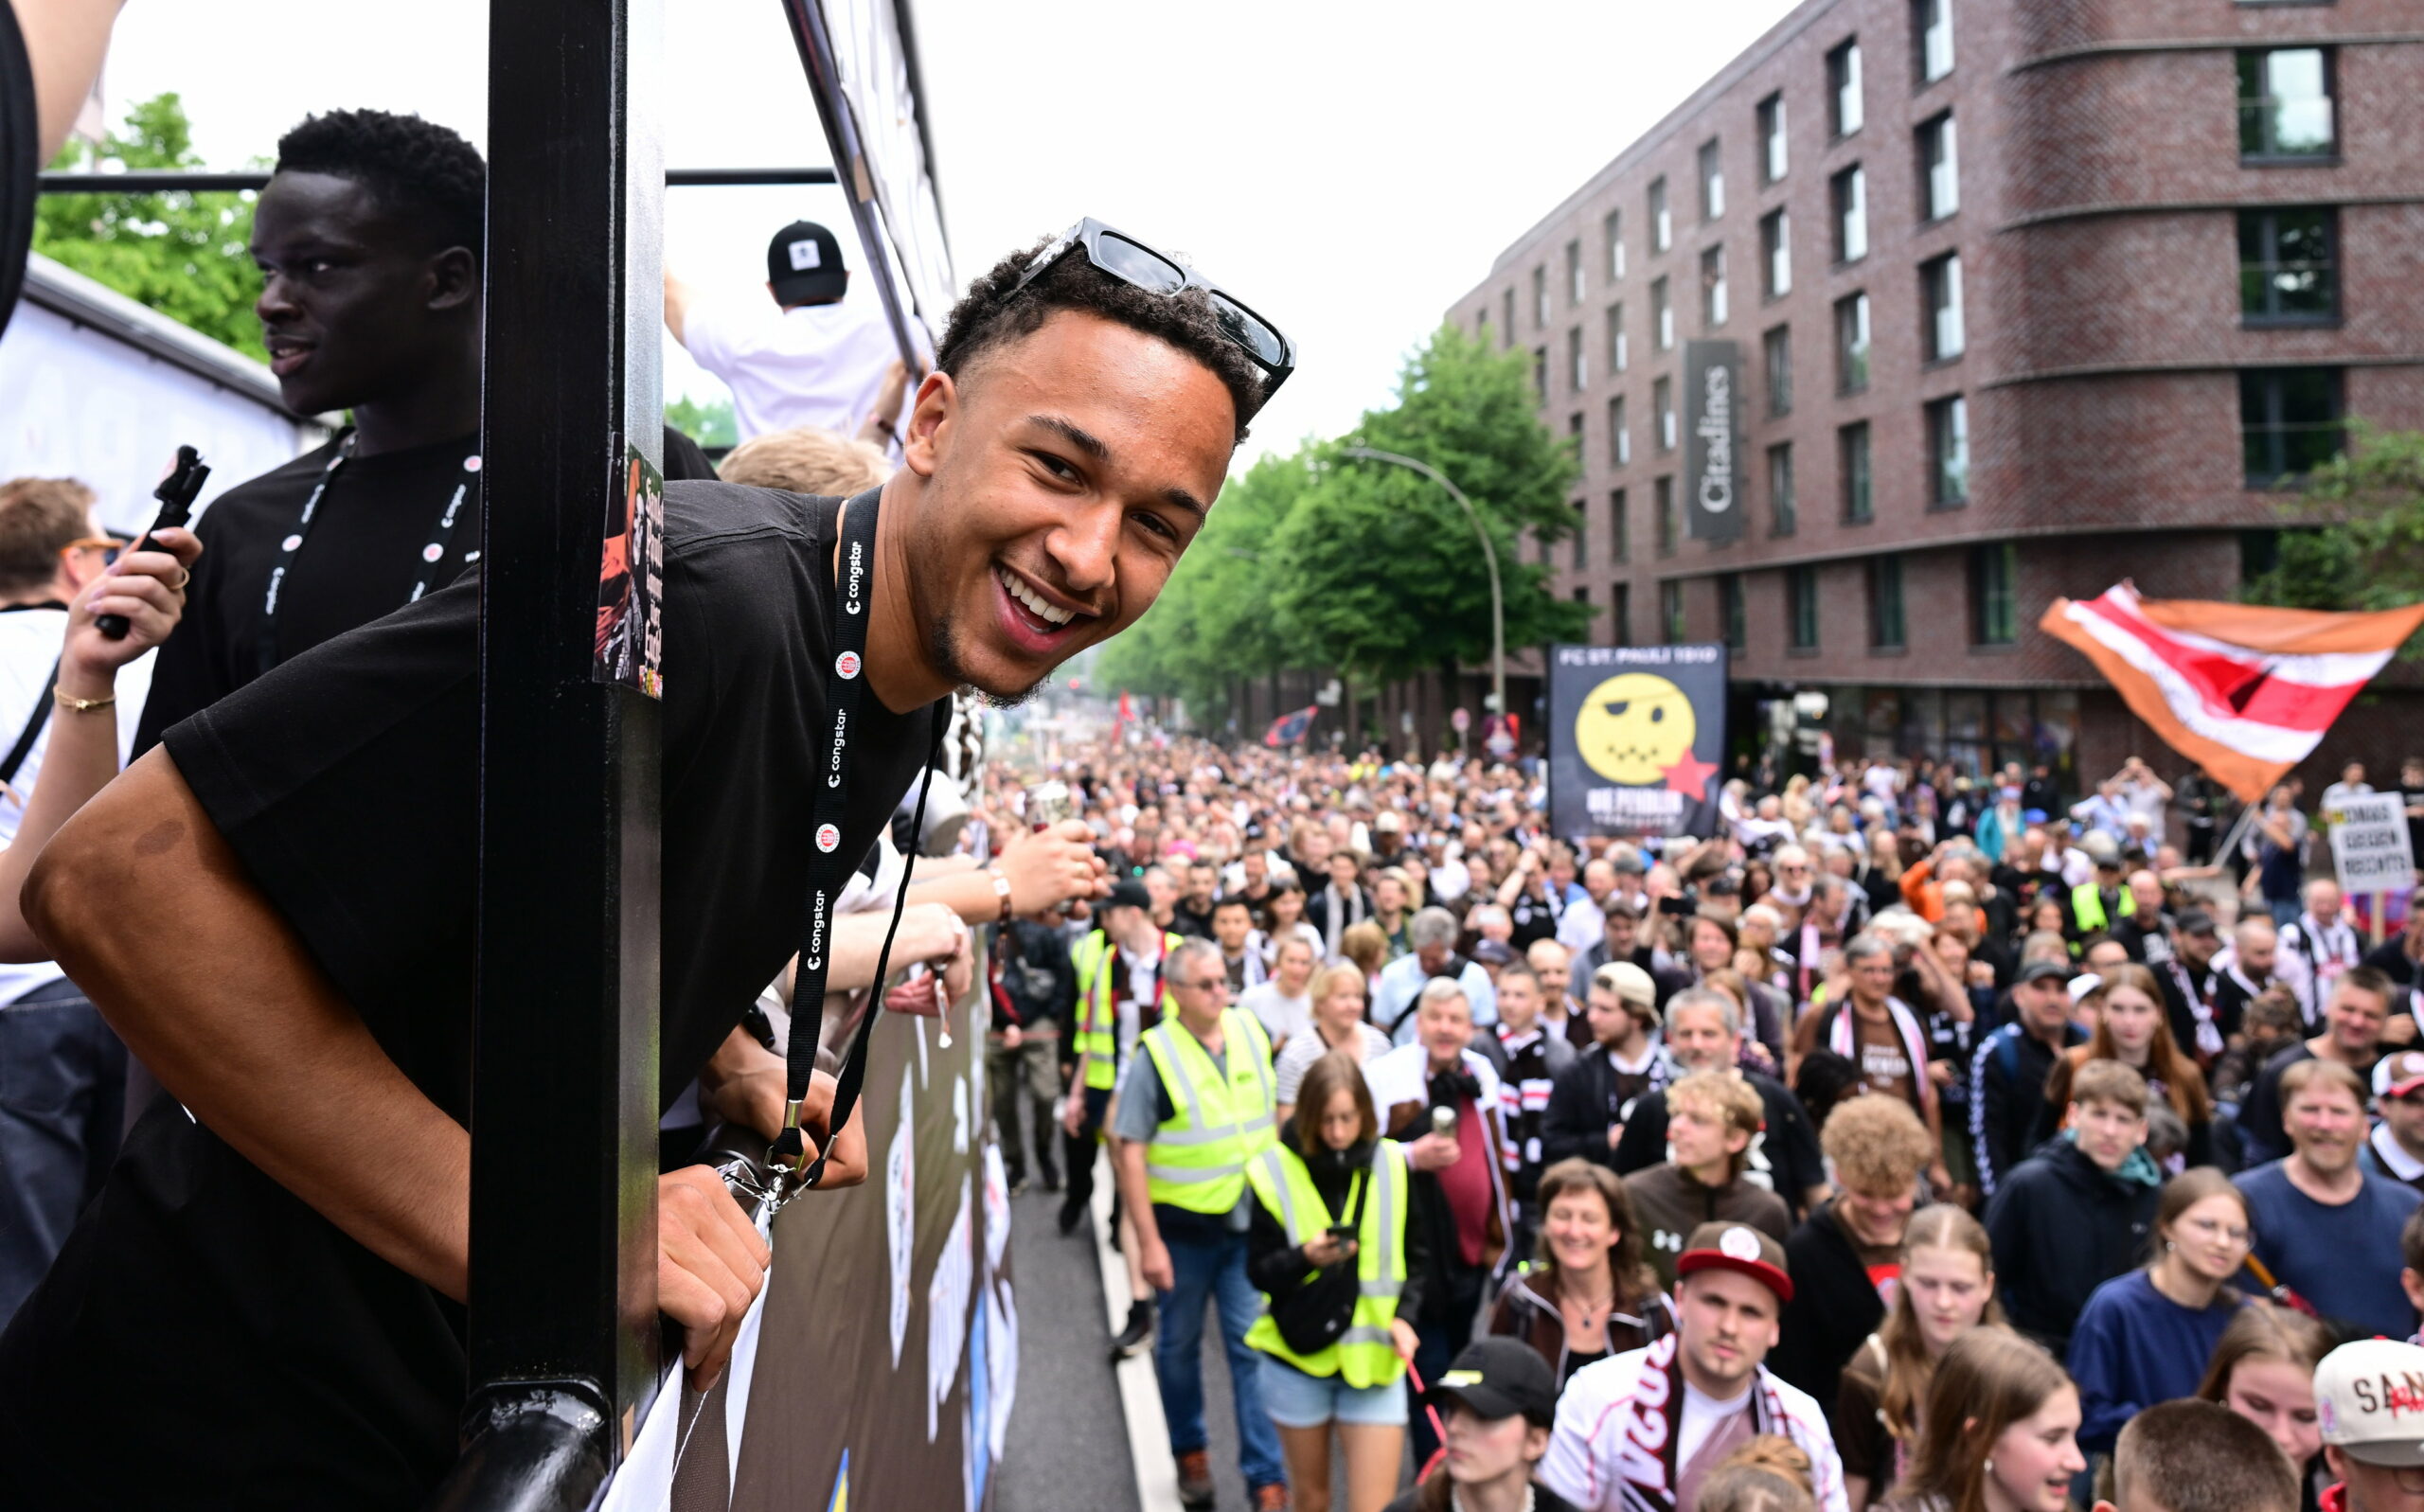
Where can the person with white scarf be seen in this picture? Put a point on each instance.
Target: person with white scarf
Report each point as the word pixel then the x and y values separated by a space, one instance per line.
pixel 1341 904
pixel 2316 948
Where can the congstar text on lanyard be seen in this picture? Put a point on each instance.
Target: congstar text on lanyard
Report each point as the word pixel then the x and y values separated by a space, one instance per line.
pixel 829 867
pixel 433 555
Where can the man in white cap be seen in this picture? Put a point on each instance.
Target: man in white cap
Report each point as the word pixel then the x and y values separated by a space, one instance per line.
pixel 1625 1062
pixel 2369 1402
pixel 2394 1150
pixel 1697 1395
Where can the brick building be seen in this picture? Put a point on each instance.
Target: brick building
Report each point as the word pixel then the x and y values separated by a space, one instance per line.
pixel 2026 298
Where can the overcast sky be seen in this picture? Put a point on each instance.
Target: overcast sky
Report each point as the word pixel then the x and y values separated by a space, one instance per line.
pixel 1346 167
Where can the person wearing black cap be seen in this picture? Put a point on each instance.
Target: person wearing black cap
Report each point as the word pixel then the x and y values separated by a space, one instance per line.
pixel 1641 1431
pixel 1497 1402
pixel 2190 986
pixel 2007 1075
pixel 811 361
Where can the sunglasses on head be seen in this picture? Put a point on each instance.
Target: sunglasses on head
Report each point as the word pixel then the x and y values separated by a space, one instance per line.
pixel 1132 262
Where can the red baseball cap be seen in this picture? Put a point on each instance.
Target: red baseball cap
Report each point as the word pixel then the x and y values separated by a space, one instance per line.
pixel 1739 1248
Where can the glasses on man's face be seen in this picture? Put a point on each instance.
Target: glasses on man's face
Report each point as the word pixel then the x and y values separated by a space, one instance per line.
pixel 109 546
pixel 1211 983
pixel 1132 262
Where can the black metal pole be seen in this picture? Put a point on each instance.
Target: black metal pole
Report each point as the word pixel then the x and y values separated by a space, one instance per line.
pixel 563 1309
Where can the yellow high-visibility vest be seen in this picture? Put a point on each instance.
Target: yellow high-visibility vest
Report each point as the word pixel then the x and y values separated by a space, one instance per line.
pixel 1219 1121
pixel 1367 1353
pixel 1097 1016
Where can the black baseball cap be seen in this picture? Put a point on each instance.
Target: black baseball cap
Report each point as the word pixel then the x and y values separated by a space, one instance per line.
pixel 1498 1378
pixel 1128 893
pixel 2040 971
pixel 2196 922
pixel 804 262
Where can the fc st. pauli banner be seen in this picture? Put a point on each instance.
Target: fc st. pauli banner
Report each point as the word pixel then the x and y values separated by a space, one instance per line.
pixel 1636 737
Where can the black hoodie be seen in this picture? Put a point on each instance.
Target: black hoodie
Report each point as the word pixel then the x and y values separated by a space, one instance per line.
pixel 2061 1226
pixel 1834 1306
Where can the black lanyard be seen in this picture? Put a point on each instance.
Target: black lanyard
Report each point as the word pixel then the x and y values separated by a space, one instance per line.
pixel 829 867
pixel 431 555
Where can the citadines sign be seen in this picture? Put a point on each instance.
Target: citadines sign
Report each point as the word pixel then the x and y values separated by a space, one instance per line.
pixel 1712 453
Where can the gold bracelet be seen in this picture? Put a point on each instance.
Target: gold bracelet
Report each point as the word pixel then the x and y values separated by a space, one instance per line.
pixel 69 701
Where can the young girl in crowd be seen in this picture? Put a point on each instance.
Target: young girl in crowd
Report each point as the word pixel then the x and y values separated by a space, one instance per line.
pixel 2143 1337
pixel 2133 1029
pixel 1946 1289
pixel 1999 1434
pixel 1338 1023
pixel 1589 1294
pixel 1768 1474
pixel 2263 1370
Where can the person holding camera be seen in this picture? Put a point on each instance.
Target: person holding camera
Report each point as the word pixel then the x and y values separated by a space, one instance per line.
pixel 1334 1244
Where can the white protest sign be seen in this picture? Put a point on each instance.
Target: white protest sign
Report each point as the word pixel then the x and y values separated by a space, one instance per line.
pixel 2369 841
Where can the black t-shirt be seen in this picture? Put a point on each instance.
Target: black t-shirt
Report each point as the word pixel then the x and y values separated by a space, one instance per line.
pixel 359 561
pixel 346 783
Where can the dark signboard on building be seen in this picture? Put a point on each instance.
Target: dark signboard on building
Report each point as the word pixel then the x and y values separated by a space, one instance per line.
pixel 1712 449
pixel 1636 737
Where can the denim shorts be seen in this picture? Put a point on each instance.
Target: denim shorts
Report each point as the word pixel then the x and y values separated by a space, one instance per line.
pixel 1296 1399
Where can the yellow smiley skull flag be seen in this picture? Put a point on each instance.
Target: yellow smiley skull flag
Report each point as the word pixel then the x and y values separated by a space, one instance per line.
pixel 1636 739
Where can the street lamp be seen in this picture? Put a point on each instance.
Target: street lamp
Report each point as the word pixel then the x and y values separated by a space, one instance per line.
pixel 1489 555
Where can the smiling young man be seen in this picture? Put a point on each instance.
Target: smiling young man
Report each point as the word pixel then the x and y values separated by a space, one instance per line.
pixel 1642 1430
pixel 281 1259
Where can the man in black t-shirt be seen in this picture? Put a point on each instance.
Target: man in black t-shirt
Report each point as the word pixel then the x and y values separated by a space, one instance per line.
pixel 368 237
pixel 275 907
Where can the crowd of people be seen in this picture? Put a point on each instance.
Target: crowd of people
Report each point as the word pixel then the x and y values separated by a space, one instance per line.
pixel 1885 1148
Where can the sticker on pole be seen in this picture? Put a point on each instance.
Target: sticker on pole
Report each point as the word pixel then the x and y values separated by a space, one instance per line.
pixel 828 836
pixel 631 583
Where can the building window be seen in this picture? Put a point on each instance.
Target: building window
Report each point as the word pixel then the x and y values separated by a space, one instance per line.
pixel 1712 286
pixel 1662 405
pixel 2284 103
pixel 1480 324
pixel 1620 615
pixel 1931 31
pixel 2288 273
pixel 1712 181
pixel 1801 607
pixel 1773 155
pixel 1539 298
pixel 1574 272
pixel 1661 225
pixel 1664 494
pixel 1775 350
pixel 2288 421
pixel 1581 531
pixel 1949 452
pixel 1507 326
pixel 1848 192
pixel 1613 229
pixel 1860 502
pixel 1842 89
pixel 1670 613
pixel 1886 603
pixel 1540 373
pixel 1939 169
pixel 1729 608
pixel 1578 363
pixel 1619 438
pixel 1582 596
pixel 1780 489
pixel 1941 294
pixel 1662 317
pixel 1775 255
pixel 1617 356
pixel 1851 344
pixel 1619 529
pixel 1573 433
pixel 1994 604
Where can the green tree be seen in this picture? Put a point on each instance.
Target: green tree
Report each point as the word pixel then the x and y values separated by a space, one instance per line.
pixel 710 424
pixel 2356 537
pixel 1377 570
pixel 187 255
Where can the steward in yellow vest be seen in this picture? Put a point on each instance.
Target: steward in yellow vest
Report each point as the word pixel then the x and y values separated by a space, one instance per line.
pixel 1377 1183
pixel 1097 1044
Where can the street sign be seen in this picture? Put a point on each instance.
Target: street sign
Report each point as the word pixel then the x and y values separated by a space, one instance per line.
pixel 2369 843
pixel 1460 721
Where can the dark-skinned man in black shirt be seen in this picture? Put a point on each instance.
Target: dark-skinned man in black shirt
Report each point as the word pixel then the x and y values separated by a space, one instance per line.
pixel 274 906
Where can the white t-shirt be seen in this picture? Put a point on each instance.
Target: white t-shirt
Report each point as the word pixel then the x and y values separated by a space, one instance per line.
pixel 817 365
pixel 1283 1018
pixel 29 643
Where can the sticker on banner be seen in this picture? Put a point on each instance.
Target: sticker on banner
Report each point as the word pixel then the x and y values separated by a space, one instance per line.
pixel 828 836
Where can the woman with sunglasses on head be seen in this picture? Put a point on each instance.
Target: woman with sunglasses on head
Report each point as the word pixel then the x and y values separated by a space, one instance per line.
pixel 2143 1337
pixel 2263 1369
pixel 1947 1288
pixel 1999 1432
pixel 2134 1028
pixel 1332 1192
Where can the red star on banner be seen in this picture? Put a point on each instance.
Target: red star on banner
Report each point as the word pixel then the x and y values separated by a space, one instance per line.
pixel 1689 777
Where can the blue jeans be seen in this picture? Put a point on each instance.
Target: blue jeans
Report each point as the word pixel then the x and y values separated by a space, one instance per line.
pixel 63 1093
pixel 1214 1272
